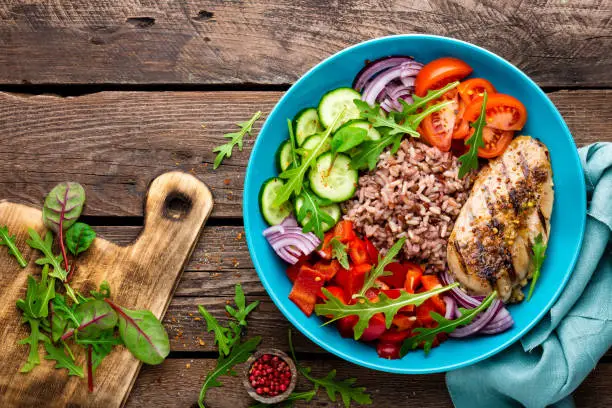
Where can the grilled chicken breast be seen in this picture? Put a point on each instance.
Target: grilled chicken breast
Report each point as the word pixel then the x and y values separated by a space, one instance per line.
pixel 490 247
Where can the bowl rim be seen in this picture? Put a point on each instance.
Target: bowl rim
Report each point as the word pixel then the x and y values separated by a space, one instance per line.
pixel 412 370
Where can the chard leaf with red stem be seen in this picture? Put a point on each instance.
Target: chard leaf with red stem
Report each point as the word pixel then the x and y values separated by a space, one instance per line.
pixel 63 206
pixel 95 316
pixel 9 241
pixel 143 334
pixel 79 238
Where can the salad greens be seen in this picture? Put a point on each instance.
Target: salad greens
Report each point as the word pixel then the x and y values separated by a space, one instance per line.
pixel 9 241
pixel 365 309
pixel 339 252
pixel 295 176
pixel 427 335
pixel 469 161
pixel 94 323
pixel 236 138
pixel 539 249
pixel 311 208
pixel 232 350
pixel 348 392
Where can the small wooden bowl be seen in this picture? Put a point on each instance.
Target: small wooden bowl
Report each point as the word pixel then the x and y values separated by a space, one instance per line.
pixel 277 398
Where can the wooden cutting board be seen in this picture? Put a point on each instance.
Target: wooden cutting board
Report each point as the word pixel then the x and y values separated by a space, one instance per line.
pixel 142 275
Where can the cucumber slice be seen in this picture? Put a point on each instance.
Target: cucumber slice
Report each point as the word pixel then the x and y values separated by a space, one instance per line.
pixel 373 134
pixel 333 102
pixel 339 183
pixel 312 142
pixel 333 210
pixel 284 159
pixel 306 124
pixel 272 214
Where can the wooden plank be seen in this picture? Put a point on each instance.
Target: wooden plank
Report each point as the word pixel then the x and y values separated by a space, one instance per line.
pixel 115 143
pixel 174 385
pixel 276 41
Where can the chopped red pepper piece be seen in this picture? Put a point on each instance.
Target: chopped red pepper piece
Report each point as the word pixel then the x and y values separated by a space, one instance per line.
pixel 403 322
pixel 372 251
pixel 413 277
pixel 307 285
pixel 358 253
pixel 356 279
pixel 327 269
pixel 430 282
pixel 376 327
pixel 336 291
pixel 398 277
pixel 344 232
pixel 395 336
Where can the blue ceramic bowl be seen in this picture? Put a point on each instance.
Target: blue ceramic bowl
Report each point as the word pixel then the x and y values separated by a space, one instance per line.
pixel 544 122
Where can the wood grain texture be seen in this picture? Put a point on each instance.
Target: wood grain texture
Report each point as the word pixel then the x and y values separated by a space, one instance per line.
pixel 176 383
pixel 138 276
pixel 275 41
pixel 114 143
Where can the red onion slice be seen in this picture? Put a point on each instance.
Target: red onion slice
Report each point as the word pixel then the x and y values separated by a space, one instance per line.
pixel 479 321
pixel 376 67
pixel 289 242
pixel 451 307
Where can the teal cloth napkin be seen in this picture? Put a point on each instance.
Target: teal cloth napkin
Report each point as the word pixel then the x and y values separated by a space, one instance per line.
pixel 556 355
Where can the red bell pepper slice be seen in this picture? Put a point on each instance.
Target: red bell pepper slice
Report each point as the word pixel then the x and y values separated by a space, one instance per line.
pixel 430 282
pixel 395 336
pixel 358 253
pixel 423 312
pixel 398 277
pixel 327 269
pixel 336 291
pixel 356 278
pixel 413 277
pixel 294 270
pixel 403 322
pixel 344 232
pixel 305 289
pixel 372 251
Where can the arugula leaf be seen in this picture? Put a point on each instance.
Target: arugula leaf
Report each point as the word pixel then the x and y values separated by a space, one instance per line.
pixel 346 138
pixel 79 237
pixel 225 150
pixel 142 334
pixel 9 241
pixel 339 252
pixel 364 309
pixel 295 176
pixel 312 214
pixel 38 296
pixel 421 102
pixel 45 247
pixel 294 396
pixel 62 360
pixel 369 152
pixel 239 354
pixel 60 315
pixel 428 335
pixel 378 119
pixel 32 340
pixel 379 271
pixel 294 156
pixel 103 293
pixel 469 161
pixel 242 310
pixel 332 385
pixel 539 248
pixel 221 334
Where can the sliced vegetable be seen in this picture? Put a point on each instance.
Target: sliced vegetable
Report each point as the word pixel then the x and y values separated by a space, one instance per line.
pixel 439 127
pixel 503 112
pixel 306 124
pixel 334 180
pixel 335 102
pixel 305 289
pixel 311 143
pixel 284 156
pixel 372 134
pixel 289 242
pixel 440 72
pixel 474 88
pixel 495 142
pixel 273 214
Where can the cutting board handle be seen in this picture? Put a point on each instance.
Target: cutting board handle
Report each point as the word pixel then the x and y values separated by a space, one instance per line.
pixel 177 206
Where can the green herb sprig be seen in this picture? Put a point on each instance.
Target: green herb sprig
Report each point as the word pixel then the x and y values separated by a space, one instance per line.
pixel 469 161
pixel 236 138
pixel 9 241
pixel 365 309
pixel 231 350
pixel 379 270
pixel 539 249
pixel 333 387
pixel 339 252
pixel 426 336
pixel 312 213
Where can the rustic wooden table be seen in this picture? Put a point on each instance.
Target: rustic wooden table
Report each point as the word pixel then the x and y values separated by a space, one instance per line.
pixel 111 94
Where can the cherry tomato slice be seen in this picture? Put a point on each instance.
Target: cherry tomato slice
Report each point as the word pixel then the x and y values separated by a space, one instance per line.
pixel 438 127
pixel 473 88
pixel 496 141
pixel 504 112
pixel 440 72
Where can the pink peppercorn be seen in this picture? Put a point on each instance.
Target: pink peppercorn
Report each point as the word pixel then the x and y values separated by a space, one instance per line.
pixel 269 375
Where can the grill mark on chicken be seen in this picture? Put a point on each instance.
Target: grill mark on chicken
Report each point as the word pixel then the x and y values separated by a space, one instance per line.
pixel 524 165
pixel 459 256
pixel 543 221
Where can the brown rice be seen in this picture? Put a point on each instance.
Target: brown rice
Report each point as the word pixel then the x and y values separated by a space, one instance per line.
pixel 414 194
